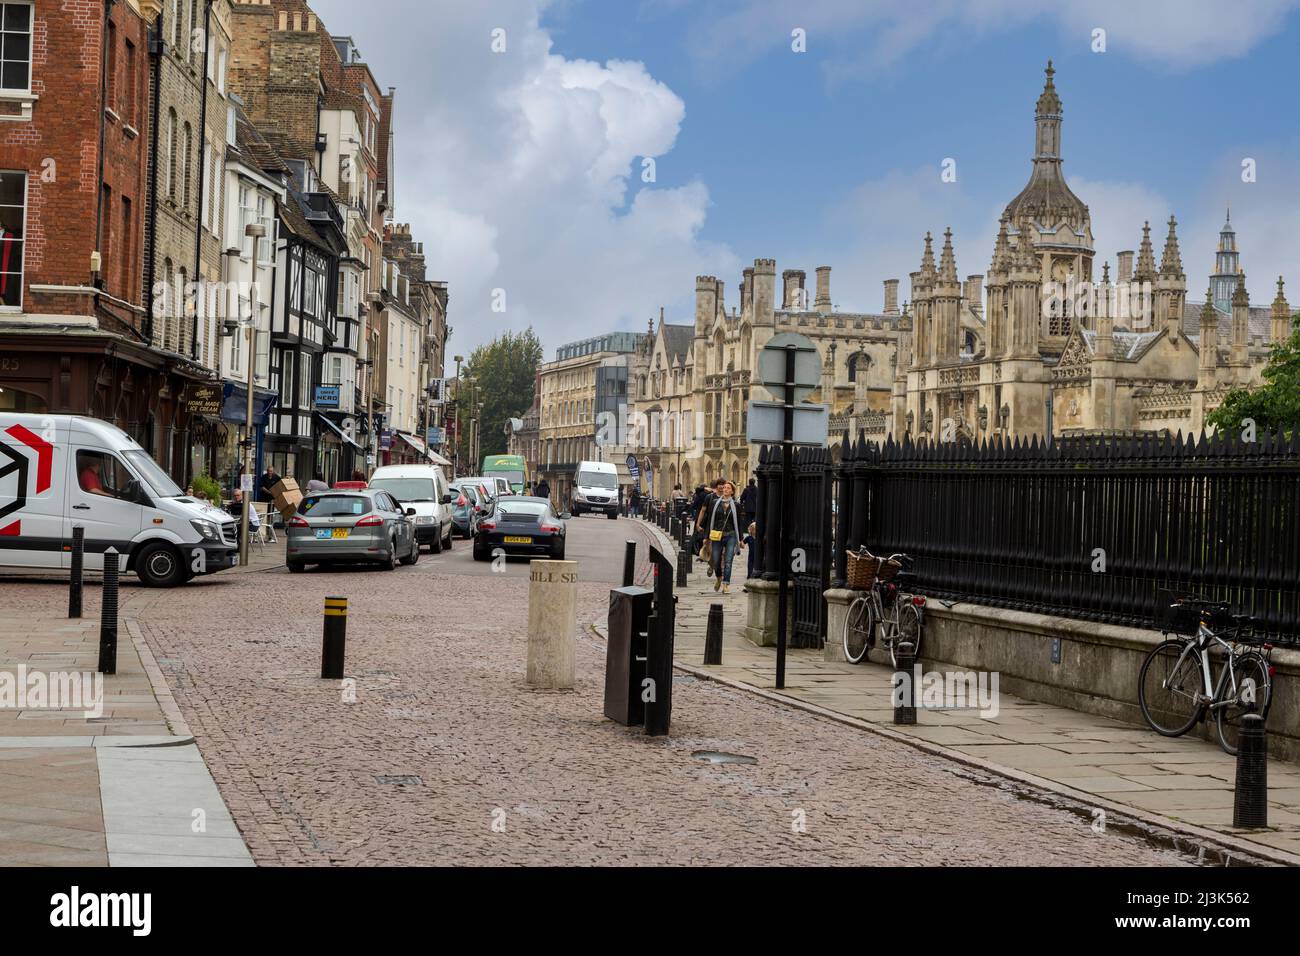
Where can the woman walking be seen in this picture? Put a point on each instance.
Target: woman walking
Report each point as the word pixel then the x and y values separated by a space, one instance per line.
pixel 724 534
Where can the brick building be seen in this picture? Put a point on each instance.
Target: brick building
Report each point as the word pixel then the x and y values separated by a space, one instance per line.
pixel 74 141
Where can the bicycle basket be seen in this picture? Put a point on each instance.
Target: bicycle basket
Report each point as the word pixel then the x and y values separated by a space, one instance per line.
pixel 1181 618
pixel 861 569
pixel 888 570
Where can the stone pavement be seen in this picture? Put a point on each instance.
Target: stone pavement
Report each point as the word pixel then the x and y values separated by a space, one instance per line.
pixel 113 777
pixel 1182 783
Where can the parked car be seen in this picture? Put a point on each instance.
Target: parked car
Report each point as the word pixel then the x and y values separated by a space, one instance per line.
pixel 337 526
pixel 424 488
pixel 520 525
pixel 58 472
pixel 465 508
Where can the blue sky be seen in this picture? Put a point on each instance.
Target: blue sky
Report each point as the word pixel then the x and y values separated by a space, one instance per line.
pixel 523 170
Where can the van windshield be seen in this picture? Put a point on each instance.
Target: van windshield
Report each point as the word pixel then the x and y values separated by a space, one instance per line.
pixel 154 478
pixel 406 489
pixel 597 479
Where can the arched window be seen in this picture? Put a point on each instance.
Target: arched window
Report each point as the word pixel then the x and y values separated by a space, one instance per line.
pixel 170 167
pixel 859 362
pixel 187 164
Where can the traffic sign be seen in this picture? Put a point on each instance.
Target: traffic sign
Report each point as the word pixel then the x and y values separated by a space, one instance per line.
pixel 766 423
pixel 807 365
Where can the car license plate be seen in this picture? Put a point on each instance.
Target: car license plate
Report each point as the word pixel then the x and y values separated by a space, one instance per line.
pixel 517 539
pixel 331 532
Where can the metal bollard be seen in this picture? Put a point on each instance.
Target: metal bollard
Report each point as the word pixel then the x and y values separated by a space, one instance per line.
pixel 78 559
pixel 1250 797
pixel 683 566
pixel 629 564
pixel 334 641
pixel 713 636
pixel 108 616
pixel 904 692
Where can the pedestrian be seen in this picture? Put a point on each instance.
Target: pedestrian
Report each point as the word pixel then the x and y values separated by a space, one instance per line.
pixel 358 474
pixel 681 503
pixel 316 483
pixel 701 525
pixel 542 490
pixel 269 480
pixel 748 502
pixel 634 499
pixel 724 534
pixel 236 511
pixel 751 535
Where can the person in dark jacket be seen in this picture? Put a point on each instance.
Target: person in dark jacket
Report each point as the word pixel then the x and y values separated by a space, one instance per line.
pixel 542 490
pixel 748 502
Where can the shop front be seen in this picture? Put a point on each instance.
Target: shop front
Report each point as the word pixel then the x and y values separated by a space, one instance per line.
pixel 234 421
pixel 338 453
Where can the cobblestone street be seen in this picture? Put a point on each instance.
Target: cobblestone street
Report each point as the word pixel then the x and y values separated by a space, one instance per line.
pixel 445 739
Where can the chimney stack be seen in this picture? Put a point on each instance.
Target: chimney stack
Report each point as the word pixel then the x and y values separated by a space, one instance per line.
pixel 823 301
pixel 792 283
pixel 1124 265
pixel 891 297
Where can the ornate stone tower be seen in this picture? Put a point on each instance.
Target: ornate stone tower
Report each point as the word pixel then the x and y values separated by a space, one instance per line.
pixel 1208 374
pixel 923 282
pixel 999 276
pixel 947 303
pixel 1227 263
pixel 1240 355
pixel 1047 218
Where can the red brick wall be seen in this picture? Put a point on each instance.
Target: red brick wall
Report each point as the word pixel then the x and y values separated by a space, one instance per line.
pixel 59 149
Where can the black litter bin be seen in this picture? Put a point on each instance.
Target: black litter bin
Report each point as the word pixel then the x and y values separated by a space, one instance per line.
pixel 629 611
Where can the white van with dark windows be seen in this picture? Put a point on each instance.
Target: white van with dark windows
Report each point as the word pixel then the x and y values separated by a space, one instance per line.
pixel 58 472
pixel 424 488
pixel 595 488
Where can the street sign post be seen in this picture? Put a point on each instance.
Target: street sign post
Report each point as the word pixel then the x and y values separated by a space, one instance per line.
pixel 790 367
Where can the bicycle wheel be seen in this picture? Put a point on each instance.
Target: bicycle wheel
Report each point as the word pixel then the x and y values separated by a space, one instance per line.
pixel 1169 688
pixel 859 628
pixel 1254 694
pixel 909 629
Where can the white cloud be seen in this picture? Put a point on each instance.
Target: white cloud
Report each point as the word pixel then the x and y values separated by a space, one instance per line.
pixel 522 171
pixel 868 36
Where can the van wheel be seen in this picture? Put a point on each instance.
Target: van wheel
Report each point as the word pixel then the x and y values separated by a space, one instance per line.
pixel 159 566
pixel 296 567
pixel 436 547
pixel 450 537
pixel 612 515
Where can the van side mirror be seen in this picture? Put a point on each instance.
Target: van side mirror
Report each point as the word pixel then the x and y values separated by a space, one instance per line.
pixel 445 500
pixel 134 493
pixel 410 512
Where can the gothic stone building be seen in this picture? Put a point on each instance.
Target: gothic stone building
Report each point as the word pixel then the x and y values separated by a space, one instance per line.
pixel 1051 347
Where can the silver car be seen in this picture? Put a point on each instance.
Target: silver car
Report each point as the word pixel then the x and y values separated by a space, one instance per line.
pixel 367 525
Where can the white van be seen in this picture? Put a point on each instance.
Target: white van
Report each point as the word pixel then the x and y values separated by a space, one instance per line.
pixel 424 488
pixel 595 488
pixel 61 471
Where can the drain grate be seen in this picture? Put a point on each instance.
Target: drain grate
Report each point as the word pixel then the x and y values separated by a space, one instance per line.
pixel 408 780
pixel 718 756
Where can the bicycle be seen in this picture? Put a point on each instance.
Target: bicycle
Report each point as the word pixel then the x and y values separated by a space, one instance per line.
pixel 883 603
pixel 1176 689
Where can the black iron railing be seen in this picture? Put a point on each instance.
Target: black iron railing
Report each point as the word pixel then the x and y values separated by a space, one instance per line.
pixel 1093 528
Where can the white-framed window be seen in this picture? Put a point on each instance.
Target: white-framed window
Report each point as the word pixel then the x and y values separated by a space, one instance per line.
pixel 16 47
pixel 13 220
pixel 304 380
pixel 266 218
pixel 334 370
pixel 221 71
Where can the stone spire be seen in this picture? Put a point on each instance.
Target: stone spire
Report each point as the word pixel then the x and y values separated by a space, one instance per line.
pixel 947 261
pixel 1171 263
pixel 1209 345
pixel 1001 251
pixel 927 259
pixel 1240 356
pixel 1281 316
pixel 1105 318
pixel 1146 261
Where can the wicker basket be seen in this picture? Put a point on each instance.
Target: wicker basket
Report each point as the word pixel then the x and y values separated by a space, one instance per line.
pixel 888 569
pixel 862 569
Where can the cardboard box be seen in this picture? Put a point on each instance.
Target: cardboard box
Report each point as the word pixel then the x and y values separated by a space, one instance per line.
pixel 287 497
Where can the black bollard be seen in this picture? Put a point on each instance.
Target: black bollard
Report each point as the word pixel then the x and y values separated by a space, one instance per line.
pixel 78 556
pixel 108 616
pixel 629 564
pixel 713 636
pixel 904 685
pixel 334 643
pixel 1250 798
pixel 683 566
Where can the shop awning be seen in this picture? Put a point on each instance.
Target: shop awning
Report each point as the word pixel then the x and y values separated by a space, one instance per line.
pixel 338 431
pixel 234 406
pixel 418 444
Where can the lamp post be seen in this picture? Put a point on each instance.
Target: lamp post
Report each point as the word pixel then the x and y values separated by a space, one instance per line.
pixel 254 231
pixel 455 447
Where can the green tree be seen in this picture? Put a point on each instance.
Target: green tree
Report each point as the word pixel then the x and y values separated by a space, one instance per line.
pixel 504 373
pixel 1276 403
